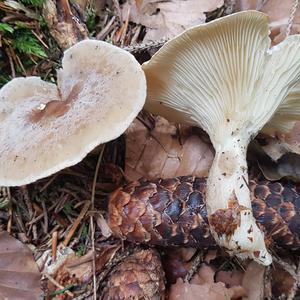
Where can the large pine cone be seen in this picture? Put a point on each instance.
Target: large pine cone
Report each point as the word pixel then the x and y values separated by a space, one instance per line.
pixel 172 212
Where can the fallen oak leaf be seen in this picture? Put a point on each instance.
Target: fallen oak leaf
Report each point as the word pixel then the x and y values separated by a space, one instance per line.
pixel 287 166
pixel 19 274
pixel 230 278
pixel 166 19
pixel 203 287
pixel 278 12
pixel 70 270
pixel 253 281
pixel 162 152
pixel 277 146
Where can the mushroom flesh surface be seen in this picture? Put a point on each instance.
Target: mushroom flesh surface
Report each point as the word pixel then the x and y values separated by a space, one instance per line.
pixel 224 77
pixel 46 127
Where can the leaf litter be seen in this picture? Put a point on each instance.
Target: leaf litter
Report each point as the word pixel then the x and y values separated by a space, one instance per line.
pixel 19 273
pixel 166 19
pixel 158 149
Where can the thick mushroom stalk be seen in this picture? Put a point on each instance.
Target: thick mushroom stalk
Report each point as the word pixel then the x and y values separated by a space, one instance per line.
pixel 224 77
pixel 229 205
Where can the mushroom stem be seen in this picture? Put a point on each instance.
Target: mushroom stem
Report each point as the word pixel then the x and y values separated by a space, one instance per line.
pixel 229 205
pixel 228 177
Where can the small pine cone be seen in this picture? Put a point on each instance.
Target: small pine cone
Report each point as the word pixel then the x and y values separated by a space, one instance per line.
pixel 139 276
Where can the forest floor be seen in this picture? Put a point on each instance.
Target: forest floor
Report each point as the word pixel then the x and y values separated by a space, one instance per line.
pixel 62 218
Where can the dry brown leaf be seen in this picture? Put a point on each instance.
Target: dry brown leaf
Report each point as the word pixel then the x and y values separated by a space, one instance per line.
pixel 105 254
pixel 70 269
pixel 276 147
pixel 165 19
pixel 278 12
pixel 230 278
pixel 162 152
pixel 287 166
pixel 177 263
pixel 210 255
pixel 203 287
pixel 19 274
pixel 253 281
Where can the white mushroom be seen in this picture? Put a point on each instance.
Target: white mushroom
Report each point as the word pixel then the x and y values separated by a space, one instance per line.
pixel 45 128
pixel 223 77
pixel 286 115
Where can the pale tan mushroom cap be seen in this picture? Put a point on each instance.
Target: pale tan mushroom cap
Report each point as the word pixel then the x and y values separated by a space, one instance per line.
pixel 287 114
pixel 101 89
pixel 224 77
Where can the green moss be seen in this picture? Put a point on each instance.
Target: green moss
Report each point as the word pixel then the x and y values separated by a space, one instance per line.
pixel 35 3
pixel 25 42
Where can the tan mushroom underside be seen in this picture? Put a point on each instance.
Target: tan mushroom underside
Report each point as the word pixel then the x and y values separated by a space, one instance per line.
pixel 101 89
pixel 224 77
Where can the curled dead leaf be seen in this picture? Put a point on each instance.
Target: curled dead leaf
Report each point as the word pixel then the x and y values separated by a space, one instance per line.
pixel 70 270
pixel 287 166
pixel 277 146
pixel 164 151
pixel 279 156
pixel 203 287
pixel 230 278
pixel 19 274
pixel 253 281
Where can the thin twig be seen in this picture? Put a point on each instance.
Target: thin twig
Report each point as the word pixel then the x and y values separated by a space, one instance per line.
pixel 52 280
pixel 48 183
pixel 40 39
pixel 21 65
pixel 76 223
pixel 107 29
pixel 93 257
pixel 116 5
pixel 45 217
pixel 27 200
pixel 292 16
pixel 54 245
pixel 10 210
pixel 92 220
pixel 9 223
pixel 11 63
pixel 145 47
pixel 124 28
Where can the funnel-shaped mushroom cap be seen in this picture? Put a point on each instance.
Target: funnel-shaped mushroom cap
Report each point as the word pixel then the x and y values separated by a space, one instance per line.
pixel 45 128
pixel 223 76
pixel 286 115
